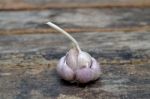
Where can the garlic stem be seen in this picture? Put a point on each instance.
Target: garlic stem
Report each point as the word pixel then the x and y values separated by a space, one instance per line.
pixel 65 33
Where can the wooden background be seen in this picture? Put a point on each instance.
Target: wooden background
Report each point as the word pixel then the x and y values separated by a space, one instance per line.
pixel 115 32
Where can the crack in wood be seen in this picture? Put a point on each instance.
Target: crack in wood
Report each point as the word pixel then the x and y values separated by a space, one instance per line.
pixel 75 30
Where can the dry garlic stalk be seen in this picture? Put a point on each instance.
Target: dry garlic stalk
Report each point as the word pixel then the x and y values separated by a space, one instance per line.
pixel 77 65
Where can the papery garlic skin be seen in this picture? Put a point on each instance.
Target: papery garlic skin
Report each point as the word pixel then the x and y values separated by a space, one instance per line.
pixel 83 74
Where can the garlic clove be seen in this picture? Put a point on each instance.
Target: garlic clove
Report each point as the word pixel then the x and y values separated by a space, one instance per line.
pixel 84 59
pixel 96 69
pixel 64 70
pixel 84 75
pixel 71 58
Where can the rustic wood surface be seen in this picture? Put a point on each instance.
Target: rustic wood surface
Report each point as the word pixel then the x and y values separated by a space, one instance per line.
pixel 115 32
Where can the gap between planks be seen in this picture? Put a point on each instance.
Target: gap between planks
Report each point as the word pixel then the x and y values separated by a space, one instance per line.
pixel 75 30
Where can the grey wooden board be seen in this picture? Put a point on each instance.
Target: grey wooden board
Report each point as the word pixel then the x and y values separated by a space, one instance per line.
pixel 27 66
pixel 89 41
pixel 75 18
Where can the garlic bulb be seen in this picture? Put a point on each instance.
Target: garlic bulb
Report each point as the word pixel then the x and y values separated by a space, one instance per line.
pixel 77 65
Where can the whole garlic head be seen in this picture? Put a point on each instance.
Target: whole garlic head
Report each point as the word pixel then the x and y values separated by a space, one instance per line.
pixel 77 65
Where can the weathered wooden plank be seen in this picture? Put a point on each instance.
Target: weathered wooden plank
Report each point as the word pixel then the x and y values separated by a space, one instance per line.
pixel 92 41
pixel 75 19
pixel 27 66
pixel 36 4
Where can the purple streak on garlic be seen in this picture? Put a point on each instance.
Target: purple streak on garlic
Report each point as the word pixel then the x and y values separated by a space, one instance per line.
pixel 77 65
